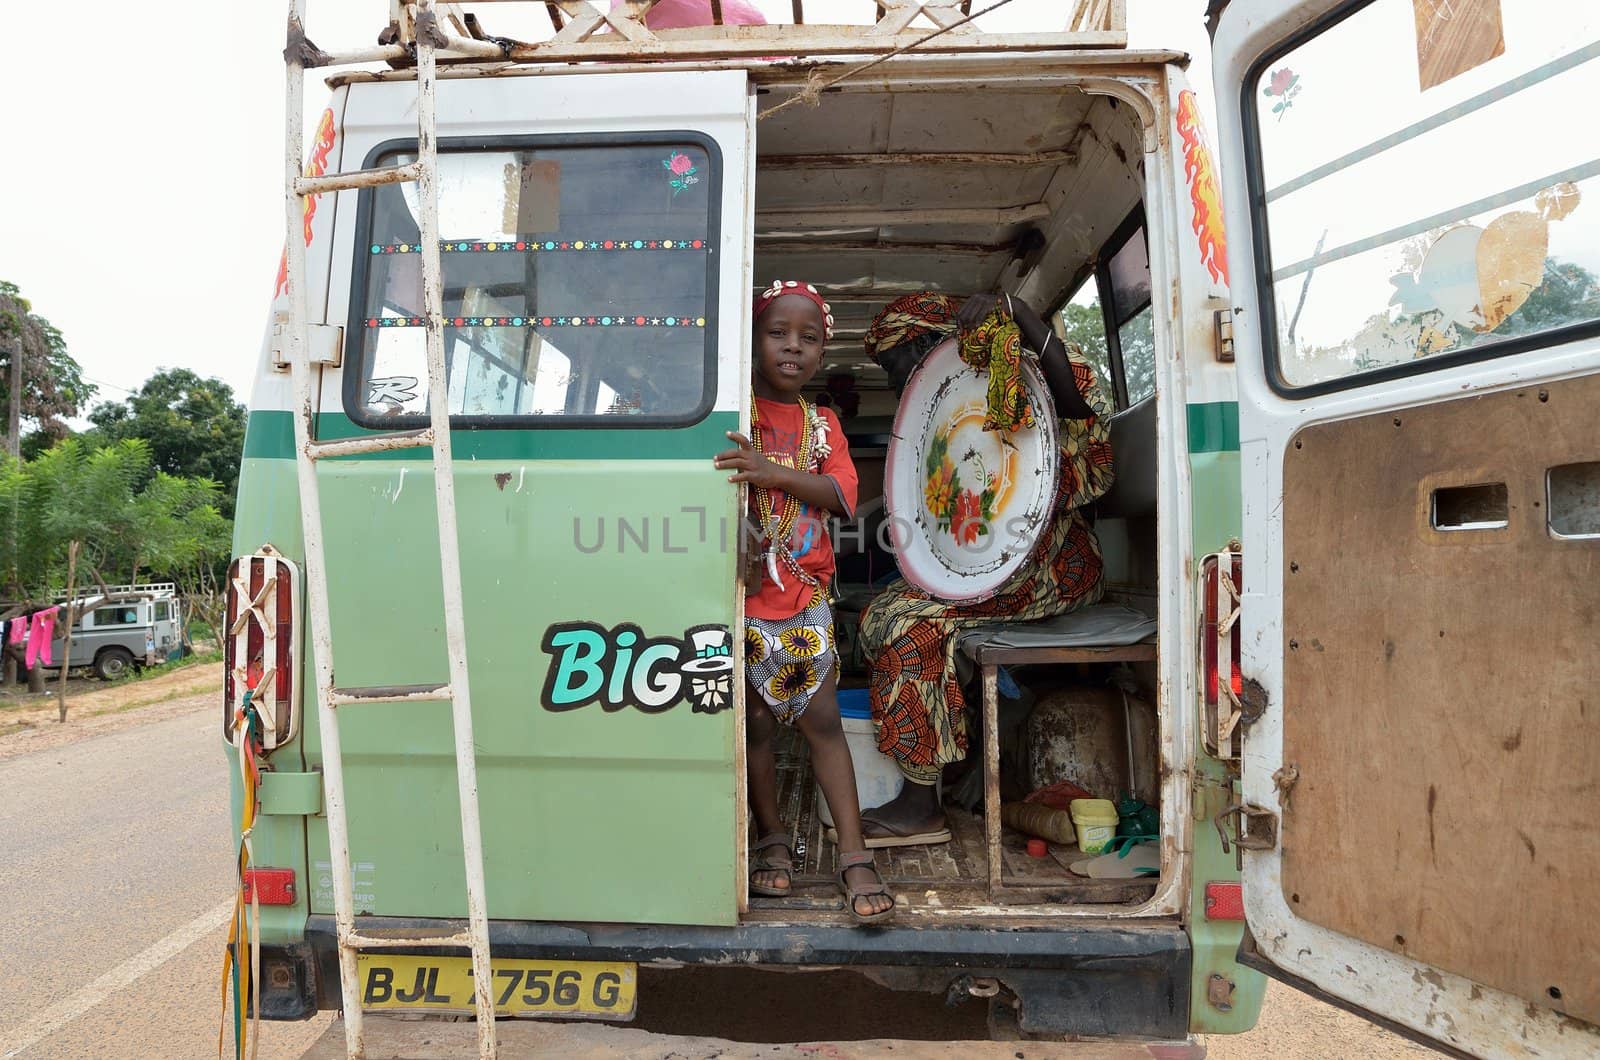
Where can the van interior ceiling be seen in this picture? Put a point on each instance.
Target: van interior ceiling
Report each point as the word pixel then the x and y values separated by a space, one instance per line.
pixel 889 187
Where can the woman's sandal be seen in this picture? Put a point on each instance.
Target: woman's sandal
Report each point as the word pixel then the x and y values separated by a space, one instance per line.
pixel 760 862
pixel 863 859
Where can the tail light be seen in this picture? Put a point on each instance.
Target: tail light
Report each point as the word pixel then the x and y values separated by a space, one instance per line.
pixel 269 886
pixel 261 645
pixel 1221 579
pixel 1224 901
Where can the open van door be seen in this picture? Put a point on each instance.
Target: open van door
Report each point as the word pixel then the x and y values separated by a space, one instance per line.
pixel 1413 188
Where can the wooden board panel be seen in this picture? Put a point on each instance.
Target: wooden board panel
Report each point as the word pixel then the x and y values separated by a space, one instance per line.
pixel 1442 694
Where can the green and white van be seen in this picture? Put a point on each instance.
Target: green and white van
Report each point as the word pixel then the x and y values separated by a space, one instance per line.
pixel 1357 470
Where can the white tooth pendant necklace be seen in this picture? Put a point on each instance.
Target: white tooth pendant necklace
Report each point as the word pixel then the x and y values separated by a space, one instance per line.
pixel 779 526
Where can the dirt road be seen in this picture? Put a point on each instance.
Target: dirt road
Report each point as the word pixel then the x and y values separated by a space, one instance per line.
pixel 116 880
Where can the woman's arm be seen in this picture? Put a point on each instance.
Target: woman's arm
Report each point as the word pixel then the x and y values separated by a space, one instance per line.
pixel 1038 335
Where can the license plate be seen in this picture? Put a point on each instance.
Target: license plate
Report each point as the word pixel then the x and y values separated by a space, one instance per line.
pixel 588 989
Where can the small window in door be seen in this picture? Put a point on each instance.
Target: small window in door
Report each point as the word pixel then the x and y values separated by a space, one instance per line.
pixel 1080 321
pixel 104 617
pixel 1426 188
pixel 1128 319
pixel 163 611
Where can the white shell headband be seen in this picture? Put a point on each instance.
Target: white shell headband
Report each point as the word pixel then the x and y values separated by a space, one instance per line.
pixel 780 288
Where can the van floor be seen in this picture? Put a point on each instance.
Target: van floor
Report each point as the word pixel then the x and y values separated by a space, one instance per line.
pixel 932 880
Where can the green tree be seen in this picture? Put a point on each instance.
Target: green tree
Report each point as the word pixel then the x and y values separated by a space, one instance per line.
pixel 193 426
pixel 129 521
pixel 1086 326
pixel 53 387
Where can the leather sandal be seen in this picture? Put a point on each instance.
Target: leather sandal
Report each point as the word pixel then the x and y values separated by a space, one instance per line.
pixel 863 859
pixel 760 862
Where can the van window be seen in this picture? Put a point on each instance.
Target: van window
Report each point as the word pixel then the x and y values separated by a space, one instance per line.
pixel 1427 187
pixel 1081 321
pixel 579 284
pixel 115 616
pixel 163 611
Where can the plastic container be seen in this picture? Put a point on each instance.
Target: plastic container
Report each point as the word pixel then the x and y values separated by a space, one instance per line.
pixel 1096 822
pixel 878 779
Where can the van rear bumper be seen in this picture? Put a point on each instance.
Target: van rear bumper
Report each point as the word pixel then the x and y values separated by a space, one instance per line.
pixel 1087 979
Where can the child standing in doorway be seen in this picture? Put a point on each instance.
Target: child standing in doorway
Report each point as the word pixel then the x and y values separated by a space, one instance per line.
pixel 798 467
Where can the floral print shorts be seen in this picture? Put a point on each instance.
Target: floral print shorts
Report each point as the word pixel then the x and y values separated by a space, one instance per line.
pixel 787 659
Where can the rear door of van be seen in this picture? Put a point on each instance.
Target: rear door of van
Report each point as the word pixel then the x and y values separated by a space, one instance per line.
pixel 595 258
pixel 1415 202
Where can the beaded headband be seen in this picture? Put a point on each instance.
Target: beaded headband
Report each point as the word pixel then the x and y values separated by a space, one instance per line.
pixel 780 288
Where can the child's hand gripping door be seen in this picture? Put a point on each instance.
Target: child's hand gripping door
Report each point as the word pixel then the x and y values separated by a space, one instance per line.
pixel 1414 201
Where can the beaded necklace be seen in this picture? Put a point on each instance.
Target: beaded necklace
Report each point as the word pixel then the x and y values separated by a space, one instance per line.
pixel 778 527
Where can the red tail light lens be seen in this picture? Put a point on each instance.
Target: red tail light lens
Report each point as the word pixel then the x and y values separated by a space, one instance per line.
pixel 1224 901
pixel 1208 632
pixel 262 638
pixel 1220 639
pixel 1237 678
pixel 269 886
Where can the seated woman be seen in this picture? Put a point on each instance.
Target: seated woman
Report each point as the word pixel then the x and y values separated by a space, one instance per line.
pixel 910 638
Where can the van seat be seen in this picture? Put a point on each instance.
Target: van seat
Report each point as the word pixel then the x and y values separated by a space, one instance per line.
pixel 1097 630
pixel 1133 455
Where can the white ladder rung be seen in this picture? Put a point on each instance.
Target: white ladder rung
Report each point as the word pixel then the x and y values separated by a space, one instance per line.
pixel 359 941
pixel 389 694
pixel 358 178
pixel 421 438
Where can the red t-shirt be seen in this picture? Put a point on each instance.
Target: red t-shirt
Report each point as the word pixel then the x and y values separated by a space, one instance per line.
pixel 810 544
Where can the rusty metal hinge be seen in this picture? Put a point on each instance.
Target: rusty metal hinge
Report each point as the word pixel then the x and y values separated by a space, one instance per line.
pixel 326 342
pixel 1222 323
pixel 1254 829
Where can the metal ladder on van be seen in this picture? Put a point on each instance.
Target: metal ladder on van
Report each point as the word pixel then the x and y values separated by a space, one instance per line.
pixel 299 55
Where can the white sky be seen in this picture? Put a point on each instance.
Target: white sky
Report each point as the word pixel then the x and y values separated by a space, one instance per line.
pixel 140 198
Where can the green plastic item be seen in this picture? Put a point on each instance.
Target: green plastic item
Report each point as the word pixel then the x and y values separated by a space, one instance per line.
pixel 1137 819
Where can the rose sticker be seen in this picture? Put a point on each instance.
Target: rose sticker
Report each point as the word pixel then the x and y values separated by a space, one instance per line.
pixel 1284 86
pixel 683 171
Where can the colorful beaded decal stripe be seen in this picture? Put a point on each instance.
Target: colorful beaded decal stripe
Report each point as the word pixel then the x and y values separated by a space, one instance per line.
pixel 545 322
pixel 527 246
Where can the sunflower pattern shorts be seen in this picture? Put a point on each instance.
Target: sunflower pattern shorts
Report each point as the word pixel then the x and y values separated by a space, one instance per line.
pixel 787 659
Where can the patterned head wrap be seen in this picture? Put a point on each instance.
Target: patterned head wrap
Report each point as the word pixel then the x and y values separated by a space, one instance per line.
pixel 780 288
pixel 908 318
pixel 995 345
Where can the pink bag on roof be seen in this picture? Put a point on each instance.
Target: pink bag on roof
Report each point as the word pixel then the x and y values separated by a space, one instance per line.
pixel 682 14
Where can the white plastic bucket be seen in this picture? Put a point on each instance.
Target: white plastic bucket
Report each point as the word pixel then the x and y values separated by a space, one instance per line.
pixel 878 779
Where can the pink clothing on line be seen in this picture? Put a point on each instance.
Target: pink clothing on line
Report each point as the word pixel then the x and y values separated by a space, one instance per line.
pixel 41 630
pixel 682 14
pixel 19 629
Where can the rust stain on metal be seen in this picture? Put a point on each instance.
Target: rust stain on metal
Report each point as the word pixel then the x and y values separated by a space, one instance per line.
pixel 500 480
pixel 1253 701
pixel 298 46
pixel 1219 992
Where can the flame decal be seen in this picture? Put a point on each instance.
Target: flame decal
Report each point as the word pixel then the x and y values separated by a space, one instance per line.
pixel 1204 196
pixel 316 166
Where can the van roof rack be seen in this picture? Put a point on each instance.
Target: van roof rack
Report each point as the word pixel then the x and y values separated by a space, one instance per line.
pixel 141 589
pixel 590 31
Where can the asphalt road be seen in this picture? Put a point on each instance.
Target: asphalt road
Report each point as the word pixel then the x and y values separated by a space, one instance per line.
pixel 115 882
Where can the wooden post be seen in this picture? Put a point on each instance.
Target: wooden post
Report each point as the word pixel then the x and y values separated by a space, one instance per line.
pixel 66 648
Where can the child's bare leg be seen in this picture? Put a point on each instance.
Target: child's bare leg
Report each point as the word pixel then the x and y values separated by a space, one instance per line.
pixel 836 775
pixel 761 773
